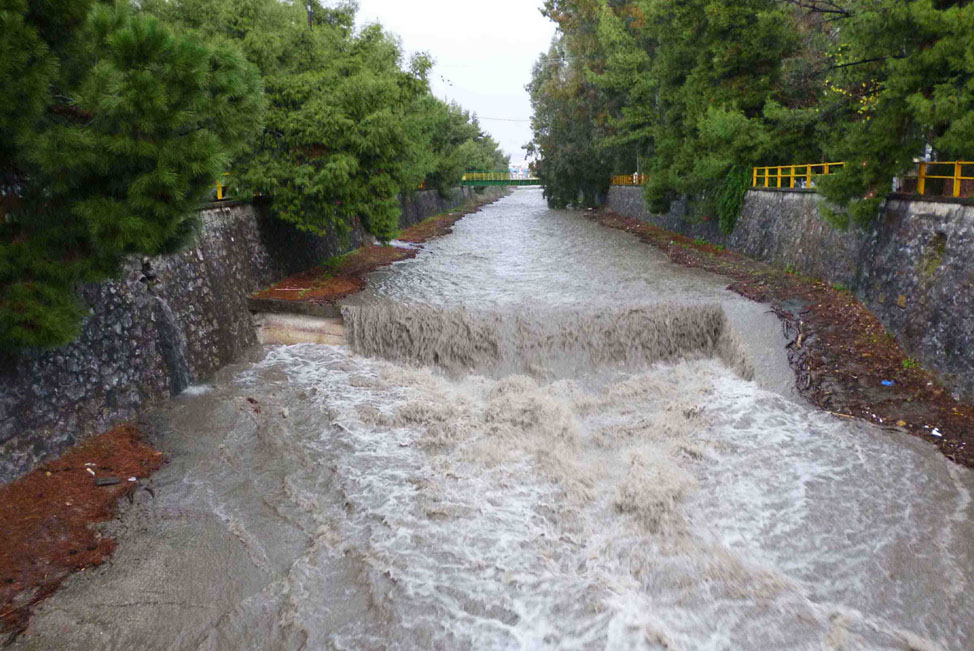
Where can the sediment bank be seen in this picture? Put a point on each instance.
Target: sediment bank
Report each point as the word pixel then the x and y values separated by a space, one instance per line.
pixel 48 517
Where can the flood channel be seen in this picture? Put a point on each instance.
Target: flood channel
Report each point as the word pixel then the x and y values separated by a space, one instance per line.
pixel 543 434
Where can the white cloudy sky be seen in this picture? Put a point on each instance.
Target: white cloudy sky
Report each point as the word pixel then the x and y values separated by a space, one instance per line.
pixel 483 52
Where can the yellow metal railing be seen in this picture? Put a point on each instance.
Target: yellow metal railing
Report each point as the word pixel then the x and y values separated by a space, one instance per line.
pixel 791 176
pixel 629 179
pixel 221 187
pixel 952 171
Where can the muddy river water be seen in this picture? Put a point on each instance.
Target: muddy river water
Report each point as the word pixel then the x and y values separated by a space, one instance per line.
pixel 542 435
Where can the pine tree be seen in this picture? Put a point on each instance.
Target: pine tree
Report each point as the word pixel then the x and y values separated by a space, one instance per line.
pixel 113 129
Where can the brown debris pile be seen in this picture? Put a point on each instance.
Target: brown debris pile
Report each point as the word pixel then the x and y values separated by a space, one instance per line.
pixel 47 516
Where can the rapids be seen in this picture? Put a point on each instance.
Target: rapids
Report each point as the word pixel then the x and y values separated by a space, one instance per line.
pixel 542 435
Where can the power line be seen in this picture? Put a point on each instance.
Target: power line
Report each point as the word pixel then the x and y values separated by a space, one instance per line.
pixel 479 117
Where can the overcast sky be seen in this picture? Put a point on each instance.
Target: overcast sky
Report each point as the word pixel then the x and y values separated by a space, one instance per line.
pixel 483 52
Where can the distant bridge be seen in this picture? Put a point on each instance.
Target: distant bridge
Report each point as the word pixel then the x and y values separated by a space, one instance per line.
pixel 497 178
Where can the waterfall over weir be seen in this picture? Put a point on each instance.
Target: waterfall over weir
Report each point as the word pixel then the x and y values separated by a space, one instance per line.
pixel 548 344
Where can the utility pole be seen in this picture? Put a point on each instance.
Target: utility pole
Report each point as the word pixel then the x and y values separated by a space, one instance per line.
pixel 309 12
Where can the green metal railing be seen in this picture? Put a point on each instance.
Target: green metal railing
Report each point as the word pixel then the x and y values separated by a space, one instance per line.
pixel 496 178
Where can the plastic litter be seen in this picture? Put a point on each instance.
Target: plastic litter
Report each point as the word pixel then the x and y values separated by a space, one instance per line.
pixel 936 432
pixel 888 383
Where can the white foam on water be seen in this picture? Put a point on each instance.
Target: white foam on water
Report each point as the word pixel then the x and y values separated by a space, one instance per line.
pixel 679 507
pixel 196 390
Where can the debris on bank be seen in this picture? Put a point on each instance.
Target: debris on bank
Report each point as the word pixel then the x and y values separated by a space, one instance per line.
pixel 48 517
pixel 844 359
pixel 345 275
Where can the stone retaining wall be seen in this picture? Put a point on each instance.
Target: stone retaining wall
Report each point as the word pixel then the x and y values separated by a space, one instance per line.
pixel 165 323
pixel 628 201
pixel 912 269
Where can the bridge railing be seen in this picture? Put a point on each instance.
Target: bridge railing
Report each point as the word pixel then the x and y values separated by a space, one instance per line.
pixel 497 178
pixel 629 179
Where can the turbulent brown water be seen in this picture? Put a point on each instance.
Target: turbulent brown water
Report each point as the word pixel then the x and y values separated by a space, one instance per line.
pixel 543 435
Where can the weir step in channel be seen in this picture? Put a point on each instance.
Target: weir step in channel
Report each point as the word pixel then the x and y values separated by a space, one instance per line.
pixel 291 329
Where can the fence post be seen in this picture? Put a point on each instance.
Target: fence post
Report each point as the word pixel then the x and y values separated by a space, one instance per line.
pixel 778 171
pixel 754 178
pixel 808 176
pixel 957 176
pixel 791 178
pixel 922 179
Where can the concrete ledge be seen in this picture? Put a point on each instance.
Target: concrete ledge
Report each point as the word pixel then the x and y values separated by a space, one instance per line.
pixel 926 198
pixel 892 196
pixel 291 329
pixel 800 190
pixel 279 306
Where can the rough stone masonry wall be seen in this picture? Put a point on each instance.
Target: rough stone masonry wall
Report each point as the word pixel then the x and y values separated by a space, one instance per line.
pixel 912 269
pixel 628 201
pixel 164 323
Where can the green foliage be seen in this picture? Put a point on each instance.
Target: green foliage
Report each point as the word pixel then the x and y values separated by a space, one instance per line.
pixel 910 363
pixel 677 89
pixel 572 167
pixel 350 125
pixel 902 80
pixel 730 197
pixel 457 144
pixel 122 127
pixel 695 93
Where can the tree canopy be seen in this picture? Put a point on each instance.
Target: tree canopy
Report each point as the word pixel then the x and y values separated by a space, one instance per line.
pixel 695 93
pixel 350 125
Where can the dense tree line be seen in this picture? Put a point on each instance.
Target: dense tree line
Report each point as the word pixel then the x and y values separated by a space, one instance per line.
pixel 695 93
pixel 117 117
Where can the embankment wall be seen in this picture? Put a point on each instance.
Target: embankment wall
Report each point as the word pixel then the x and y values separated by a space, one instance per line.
pixel 912 268
pixel 165 323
